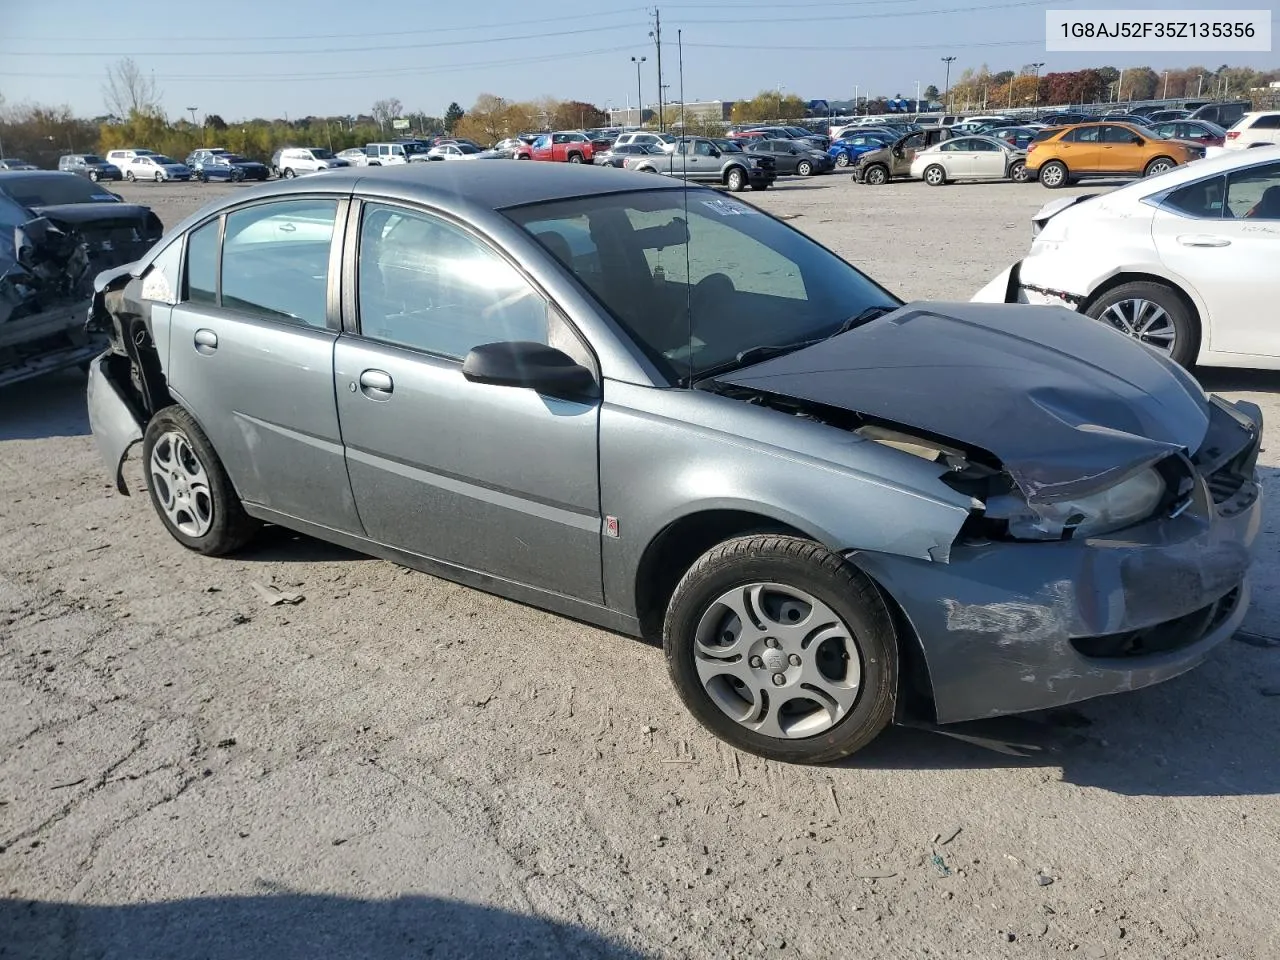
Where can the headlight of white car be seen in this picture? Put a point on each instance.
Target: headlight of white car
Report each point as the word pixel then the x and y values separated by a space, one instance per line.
pixel 1122 505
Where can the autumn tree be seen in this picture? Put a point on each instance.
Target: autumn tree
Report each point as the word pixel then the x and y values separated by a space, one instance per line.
pixel 129 91
pixel 488 121
pixel 1140 83
pixel 768 105
pixel 577 115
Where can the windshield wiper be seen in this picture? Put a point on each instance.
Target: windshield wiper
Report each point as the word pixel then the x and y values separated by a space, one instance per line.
pixel 756 354
pixel 866 316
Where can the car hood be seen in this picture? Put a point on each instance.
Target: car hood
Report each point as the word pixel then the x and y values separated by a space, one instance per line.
pixel 1068 405
pixel 80 214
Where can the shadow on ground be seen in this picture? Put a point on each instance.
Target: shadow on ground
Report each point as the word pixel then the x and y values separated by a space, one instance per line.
pixel 48 406
pixel 290 926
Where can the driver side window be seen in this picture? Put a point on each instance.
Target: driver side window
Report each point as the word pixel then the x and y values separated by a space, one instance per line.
pixel 427 284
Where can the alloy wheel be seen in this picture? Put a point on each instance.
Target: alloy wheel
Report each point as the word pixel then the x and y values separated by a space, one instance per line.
pixel 181 484
pixel 1143 320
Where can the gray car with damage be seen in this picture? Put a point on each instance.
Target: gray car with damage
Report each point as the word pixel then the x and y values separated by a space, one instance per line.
pixel 654 408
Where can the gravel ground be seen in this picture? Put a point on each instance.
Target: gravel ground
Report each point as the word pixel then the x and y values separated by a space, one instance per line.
pixel 397 766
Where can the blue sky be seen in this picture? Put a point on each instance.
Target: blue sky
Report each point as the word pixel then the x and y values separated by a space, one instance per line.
pixel 241 58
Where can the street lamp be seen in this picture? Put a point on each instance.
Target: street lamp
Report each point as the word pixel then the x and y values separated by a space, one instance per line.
pixel 946 97
pixel 639 95
pixel 1037 67
pixel 917 96
pixel 1164 94
pixel 1199 86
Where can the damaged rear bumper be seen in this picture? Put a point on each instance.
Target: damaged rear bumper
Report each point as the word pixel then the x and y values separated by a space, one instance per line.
pixel 115 425
pixel 1012 627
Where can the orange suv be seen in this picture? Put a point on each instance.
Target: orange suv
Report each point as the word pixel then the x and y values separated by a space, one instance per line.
pixel 1106 150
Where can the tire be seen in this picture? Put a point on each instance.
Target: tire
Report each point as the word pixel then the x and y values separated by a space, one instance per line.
pixel 1018 172
pixel 575 158
pixel 736 179
pixel 876 175
pixel 842 160
pixel 159 177
pixel 1158 166
pixel 216 523
pixel 288 173
pixel 1054 175
pixel 1174 330
pixel 787 579
pixel 93 175
pixel 804 168
pixel 935 175
pixel 129 176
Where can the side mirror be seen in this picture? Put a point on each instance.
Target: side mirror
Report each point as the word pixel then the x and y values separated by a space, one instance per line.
pixel 715 152
pixel 522 363
pixel 1138 141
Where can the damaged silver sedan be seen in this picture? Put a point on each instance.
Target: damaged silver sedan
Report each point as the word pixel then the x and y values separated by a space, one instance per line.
pixel 655 408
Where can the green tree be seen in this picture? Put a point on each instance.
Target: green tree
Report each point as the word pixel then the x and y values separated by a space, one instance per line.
pixel 768 105
pixel 452 115
pixel 932 93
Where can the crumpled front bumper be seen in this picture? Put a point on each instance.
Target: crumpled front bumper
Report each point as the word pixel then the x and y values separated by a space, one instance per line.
pixel 1011 627
pixel 112 419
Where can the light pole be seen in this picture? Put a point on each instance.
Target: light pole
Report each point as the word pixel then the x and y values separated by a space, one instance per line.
pixel 1037 67
pixel 1164 94
pixel 855 99
pixel 1199 86
pixel 639 96
pixel 917 96
pixel 946 97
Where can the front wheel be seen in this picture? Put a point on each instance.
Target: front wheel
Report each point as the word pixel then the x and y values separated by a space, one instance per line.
pixel 736 180
pixel 1054 175
pixel 804 168
pixel 159 177
pixel 781 648
pixel 1153 314
pixel 935 175
pixel 875 176
pixel 1157 166
pixel 842 160
pixel 129 176
pixel 190 488
pixel 575 158
pixel 288 173
pixel 1018 173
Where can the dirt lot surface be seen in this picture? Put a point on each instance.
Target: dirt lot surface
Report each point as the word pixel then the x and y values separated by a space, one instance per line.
pixel 400 767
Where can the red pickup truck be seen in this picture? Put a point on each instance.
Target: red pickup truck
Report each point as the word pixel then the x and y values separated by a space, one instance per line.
pixel 566 146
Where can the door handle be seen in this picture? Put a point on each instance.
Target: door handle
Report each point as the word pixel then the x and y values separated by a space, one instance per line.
pixel 287 228
pixel 206 341
pixel 1202 240
pixel 376 384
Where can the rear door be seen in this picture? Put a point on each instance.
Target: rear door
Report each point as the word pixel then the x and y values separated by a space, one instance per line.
pixel 494 479
pixel 251 354
pixel 1228 252
pixel 1079 149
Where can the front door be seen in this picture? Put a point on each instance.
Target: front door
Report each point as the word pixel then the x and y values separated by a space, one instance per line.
pixel 1120 150
pixel 251 356
pixel 1230 258
pixel 499 480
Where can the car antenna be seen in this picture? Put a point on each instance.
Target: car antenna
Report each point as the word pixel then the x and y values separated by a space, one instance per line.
pixel 688 237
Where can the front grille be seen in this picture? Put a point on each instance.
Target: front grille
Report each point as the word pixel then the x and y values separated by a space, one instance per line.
pixel 1224 483
pixel 1161 638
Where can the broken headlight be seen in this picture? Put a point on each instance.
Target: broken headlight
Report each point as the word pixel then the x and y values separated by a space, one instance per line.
pixel 1128 502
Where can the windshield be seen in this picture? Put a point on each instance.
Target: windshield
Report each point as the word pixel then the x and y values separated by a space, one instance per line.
pixel 161 158
pixel 468 148
pixel 693 298
pixel 416 148
pixel 93 159
pixel 49 190
pixel 321 154
pixel 233 158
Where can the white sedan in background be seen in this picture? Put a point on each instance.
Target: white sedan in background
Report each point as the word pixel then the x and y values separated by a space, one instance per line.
pixel 355 156
pixel 1184 261
pixel 970 158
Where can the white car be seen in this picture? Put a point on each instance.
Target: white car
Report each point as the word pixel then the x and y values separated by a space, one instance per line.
pixel 664 141
pixel 1254 130
pixel 355 157
pixel 970 158
pixel 1184 261
pixel 15 163
pixel 157 167
pixel 122 158
pixel 454 151
pixel 295 161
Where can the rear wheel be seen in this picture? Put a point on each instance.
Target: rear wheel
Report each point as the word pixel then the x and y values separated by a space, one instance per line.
pixel 1153 314
pixel 1018 172
pixel 575 158
pixel 935 175
pixel 93 175
pixel 288 173
pixel 129 176
pixel 842 159
pixel 1054 174
pixel 159 178
pixel 876 175
pixel 189 486
pixel 780 647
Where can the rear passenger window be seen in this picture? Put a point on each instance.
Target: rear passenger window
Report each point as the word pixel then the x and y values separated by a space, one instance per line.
pixel 275 260
pixel 1202 199
pixel 202 264
pixel 1255 193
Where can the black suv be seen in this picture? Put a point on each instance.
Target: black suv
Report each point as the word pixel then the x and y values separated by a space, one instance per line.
pixel 1223 114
